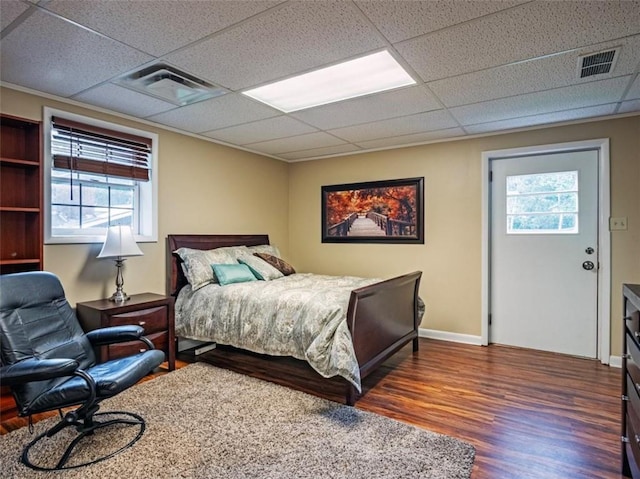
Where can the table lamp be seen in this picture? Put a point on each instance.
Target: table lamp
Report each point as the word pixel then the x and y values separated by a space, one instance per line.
pixel 118 245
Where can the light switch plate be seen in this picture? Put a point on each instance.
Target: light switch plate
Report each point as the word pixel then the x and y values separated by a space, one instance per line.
pixel 618 223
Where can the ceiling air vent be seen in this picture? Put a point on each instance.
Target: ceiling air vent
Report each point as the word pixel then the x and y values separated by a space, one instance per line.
pixel 170 84
pixel 597 63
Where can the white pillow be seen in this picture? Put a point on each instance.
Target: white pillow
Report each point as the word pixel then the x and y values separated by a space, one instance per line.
pixel 198 264
pixel 235 251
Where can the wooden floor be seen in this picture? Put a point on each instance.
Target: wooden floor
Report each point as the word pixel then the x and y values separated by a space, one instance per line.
pixel 529 414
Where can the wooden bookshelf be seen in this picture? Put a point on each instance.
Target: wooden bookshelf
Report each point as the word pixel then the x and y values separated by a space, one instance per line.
pixel 21 206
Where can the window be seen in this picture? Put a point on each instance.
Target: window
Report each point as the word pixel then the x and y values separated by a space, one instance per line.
pixel 97 175
pixel 543 203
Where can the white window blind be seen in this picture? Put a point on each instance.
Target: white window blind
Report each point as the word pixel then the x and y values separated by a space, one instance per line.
pixel 90 149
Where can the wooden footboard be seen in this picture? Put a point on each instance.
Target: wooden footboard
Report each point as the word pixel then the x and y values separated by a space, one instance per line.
pixel 382 318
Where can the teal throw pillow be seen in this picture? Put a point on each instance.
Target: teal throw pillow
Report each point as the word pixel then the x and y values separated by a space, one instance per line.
pixel 232 273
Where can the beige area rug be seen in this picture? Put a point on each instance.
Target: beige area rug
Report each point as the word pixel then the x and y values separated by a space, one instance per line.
pixel 206 422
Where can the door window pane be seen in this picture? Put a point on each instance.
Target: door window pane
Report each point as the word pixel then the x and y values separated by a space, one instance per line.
pixel 562 202
pixel 543 183
pixel 542 203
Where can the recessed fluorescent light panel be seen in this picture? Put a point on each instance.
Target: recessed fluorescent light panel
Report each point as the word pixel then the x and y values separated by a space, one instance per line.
pixel 362 76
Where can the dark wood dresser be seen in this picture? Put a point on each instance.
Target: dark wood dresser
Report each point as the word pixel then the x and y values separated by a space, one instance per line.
pixel 154 312
pixel 631 381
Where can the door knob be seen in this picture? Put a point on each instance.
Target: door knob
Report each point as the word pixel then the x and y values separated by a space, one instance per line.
pixel 588 265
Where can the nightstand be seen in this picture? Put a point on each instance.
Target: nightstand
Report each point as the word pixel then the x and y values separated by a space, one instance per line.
pixel 154 312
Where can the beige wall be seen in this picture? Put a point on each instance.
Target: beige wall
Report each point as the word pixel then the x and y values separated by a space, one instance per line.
pixel 203 188
pixel 451 256
pixel 209 188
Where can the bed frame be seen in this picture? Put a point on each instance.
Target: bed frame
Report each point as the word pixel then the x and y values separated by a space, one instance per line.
pixel 382 317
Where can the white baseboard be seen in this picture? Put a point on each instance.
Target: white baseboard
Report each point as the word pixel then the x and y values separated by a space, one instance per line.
pixel 615 361
pixel 447 336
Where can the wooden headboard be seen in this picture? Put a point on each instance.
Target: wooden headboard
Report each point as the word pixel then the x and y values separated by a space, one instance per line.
pixel 175 277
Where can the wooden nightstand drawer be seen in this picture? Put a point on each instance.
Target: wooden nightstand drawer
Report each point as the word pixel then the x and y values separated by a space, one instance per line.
pixel 152 319
pixel 120 350
pixel 154 312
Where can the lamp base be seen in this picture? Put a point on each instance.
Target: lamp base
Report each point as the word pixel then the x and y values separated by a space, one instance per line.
pixel 119 297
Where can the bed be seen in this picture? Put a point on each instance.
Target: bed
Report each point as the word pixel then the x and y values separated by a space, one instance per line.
pixel 382 316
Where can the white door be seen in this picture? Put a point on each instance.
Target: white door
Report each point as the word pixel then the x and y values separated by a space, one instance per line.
pixel 544 252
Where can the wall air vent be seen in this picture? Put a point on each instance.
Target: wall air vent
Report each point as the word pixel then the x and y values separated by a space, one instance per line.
pixel 597 63
pixel 170 84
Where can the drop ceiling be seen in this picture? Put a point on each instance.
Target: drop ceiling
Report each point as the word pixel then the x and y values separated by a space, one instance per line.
pixel 481 66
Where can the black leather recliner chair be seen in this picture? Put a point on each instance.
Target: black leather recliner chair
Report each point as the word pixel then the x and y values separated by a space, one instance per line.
pixel 49 362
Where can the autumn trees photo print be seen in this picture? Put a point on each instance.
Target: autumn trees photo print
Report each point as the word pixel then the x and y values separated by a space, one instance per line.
pixel 388 211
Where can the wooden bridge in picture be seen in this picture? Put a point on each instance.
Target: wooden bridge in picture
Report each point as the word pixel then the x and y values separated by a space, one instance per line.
pixel 364 226
pixel 371 224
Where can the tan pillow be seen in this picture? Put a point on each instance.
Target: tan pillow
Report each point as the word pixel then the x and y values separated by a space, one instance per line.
pixel 279 264
pixel 260 268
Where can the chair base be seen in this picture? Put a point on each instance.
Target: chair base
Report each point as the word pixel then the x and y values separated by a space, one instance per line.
pixel 85 428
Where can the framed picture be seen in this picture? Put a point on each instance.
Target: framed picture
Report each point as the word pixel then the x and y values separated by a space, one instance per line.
pixel 390 211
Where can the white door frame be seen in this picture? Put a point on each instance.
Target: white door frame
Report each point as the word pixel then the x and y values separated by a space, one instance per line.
pixel 604 235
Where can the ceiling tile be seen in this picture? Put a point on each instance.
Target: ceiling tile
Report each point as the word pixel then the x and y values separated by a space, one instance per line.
pixel 629 106
pixel 10 10
pixel 529 76
pixel 634 91
pixel 42 51
pixel 316 152
pixel 400 20
pixel 298 37
pixel 587 94
pixel 123 100
pixel 296 143
pixel 223 111
pixel 435 120
pixel 412 139
pixel 567 115
pixel 527 31
pixel 140 24
pixel 262 130
pixel 405 101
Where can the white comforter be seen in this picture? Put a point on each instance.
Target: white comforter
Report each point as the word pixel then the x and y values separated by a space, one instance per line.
pixel 301 315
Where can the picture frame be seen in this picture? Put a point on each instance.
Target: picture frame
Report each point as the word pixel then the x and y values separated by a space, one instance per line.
pixel 387 211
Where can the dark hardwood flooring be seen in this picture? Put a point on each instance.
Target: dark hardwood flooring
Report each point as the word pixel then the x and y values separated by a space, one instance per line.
pixel 529 414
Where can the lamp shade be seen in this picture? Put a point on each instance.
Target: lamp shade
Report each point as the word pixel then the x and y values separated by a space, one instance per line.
pixel 119 243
